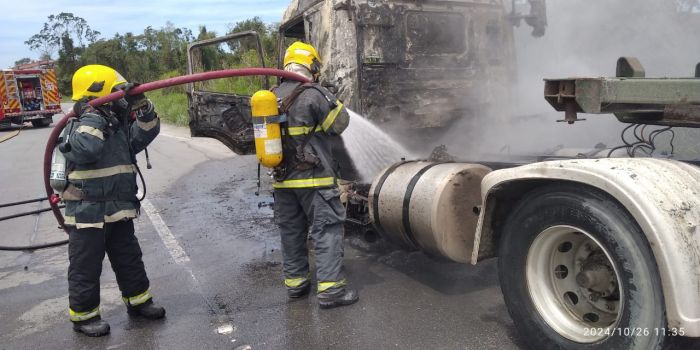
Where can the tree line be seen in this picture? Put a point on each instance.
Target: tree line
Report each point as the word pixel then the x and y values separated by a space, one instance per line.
pixel 146 56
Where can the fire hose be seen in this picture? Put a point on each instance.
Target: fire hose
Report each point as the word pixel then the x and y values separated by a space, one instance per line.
pixel 54 199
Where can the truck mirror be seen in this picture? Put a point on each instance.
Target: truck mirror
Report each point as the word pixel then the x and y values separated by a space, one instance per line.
pixel 537 18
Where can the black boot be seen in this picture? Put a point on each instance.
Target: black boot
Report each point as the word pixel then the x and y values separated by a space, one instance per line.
pixel 298 292
pixel 334 299
pixel 94 327
pixel 149 310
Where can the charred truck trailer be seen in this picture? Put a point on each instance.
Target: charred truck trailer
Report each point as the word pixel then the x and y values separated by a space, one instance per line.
pixel 594 253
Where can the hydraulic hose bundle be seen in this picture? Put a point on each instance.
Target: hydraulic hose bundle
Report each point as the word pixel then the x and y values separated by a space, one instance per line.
pixel 54 199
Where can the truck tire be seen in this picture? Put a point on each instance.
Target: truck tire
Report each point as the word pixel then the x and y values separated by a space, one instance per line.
pixel 42 123
pixel 577 273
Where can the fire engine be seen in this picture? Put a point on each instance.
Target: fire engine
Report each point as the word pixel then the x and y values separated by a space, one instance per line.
pixel 28 95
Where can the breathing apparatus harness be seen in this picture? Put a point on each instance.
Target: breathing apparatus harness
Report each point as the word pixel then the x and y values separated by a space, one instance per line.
pixel 304 157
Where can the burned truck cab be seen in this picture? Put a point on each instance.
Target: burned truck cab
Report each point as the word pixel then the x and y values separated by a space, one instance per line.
pixel 412 65
pixel 416 68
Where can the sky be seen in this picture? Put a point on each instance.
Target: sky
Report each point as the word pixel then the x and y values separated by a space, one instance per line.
pixel 22 19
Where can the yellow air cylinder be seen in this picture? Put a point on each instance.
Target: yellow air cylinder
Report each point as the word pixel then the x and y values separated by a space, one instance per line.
pixel 266 126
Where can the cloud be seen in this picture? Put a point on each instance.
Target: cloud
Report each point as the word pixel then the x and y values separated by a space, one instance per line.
pixel 110 17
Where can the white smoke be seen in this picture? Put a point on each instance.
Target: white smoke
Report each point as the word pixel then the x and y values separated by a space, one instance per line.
pixel 583 38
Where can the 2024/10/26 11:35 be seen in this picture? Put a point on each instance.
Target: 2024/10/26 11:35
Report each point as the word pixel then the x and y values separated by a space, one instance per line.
pixel 634 332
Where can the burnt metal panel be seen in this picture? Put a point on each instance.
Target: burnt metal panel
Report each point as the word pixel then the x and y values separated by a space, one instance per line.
pixel 435 33
pixel 224 117
pixel 426 66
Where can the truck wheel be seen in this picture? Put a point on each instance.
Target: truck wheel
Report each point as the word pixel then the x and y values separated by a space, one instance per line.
pixel 41 123
pixel 577 273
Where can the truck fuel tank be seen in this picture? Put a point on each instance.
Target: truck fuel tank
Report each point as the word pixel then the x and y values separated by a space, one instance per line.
pixel 429 206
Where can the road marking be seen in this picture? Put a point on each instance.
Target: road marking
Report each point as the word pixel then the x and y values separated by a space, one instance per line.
pixel 176 137
pixel 176 252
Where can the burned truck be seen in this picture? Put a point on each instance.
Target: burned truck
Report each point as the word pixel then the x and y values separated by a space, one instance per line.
pixel 414 67
pixel 595 251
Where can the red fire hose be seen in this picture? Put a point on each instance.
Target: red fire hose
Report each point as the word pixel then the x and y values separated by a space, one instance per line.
pixel 184 79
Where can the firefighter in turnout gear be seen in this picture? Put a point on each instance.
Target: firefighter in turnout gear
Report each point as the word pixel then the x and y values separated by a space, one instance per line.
pixel 101 196
pixel 307 199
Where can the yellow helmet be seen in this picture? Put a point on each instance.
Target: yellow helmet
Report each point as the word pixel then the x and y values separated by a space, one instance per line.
pixel 95 80
pixel 305 55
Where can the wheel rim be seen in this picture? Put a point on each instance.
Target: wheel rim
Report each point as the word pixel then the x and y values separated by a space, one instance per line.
pixel 573 284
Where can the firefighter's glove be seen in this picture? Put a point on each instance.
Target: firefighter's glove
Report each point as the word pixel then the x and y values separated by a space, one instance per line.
pixel 137 101
pixel 147 112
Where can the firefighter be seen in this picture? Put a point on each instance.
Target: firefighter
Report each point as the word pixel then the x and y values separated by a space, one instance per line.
pixel 101 197
pixel 307 199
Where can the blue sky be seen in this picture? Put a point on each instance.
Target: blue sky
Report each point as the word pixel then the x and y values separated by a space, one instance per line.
pixel 22 19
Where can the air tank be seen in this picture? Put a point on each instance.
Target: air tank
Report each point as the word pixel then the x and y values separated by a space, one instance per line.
pixel 429 206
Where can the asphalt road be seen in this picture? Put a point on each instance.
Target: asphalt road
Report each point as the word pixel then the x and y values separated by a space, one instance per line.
pixel 214 262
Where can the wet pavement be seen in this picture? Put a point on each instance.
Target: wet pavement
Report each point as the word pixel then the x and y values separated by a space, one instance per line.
pixel 214 262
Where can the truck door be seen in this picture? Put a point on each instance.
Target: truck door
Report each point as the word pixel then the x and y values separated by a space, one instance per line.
pixel 220 108
pixel 49 90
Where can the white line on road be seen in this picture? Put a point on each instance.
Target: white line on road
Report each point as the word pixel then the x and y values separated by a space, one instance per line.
pixel 174 248
pixel 176 137
pixel 176 252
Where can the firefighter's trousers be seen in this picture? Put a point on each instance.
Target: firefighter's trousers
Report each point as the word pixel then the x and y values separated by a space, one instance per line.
pixel 86 251
pixel 318 213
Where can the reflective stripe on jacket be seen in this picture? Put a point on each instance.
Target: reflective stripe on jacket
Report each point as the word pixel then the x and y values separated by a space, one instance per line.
pixel 101 171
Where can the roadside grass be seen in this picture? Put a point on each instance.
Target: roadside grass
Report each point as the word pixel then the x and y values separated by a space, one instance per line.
pixel 170 106
pixel 171 103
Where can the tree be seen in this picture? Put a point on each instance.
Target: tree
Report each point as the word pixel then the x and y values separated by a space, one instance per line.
pixel 23 61
pixel 45 41
pixel 206 58
pixel 68 62
pixel 268 36
pixel 58 27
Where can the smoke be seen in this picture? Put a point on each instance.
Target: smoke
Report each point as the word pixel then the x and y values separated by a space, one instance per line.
pixel 583 38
